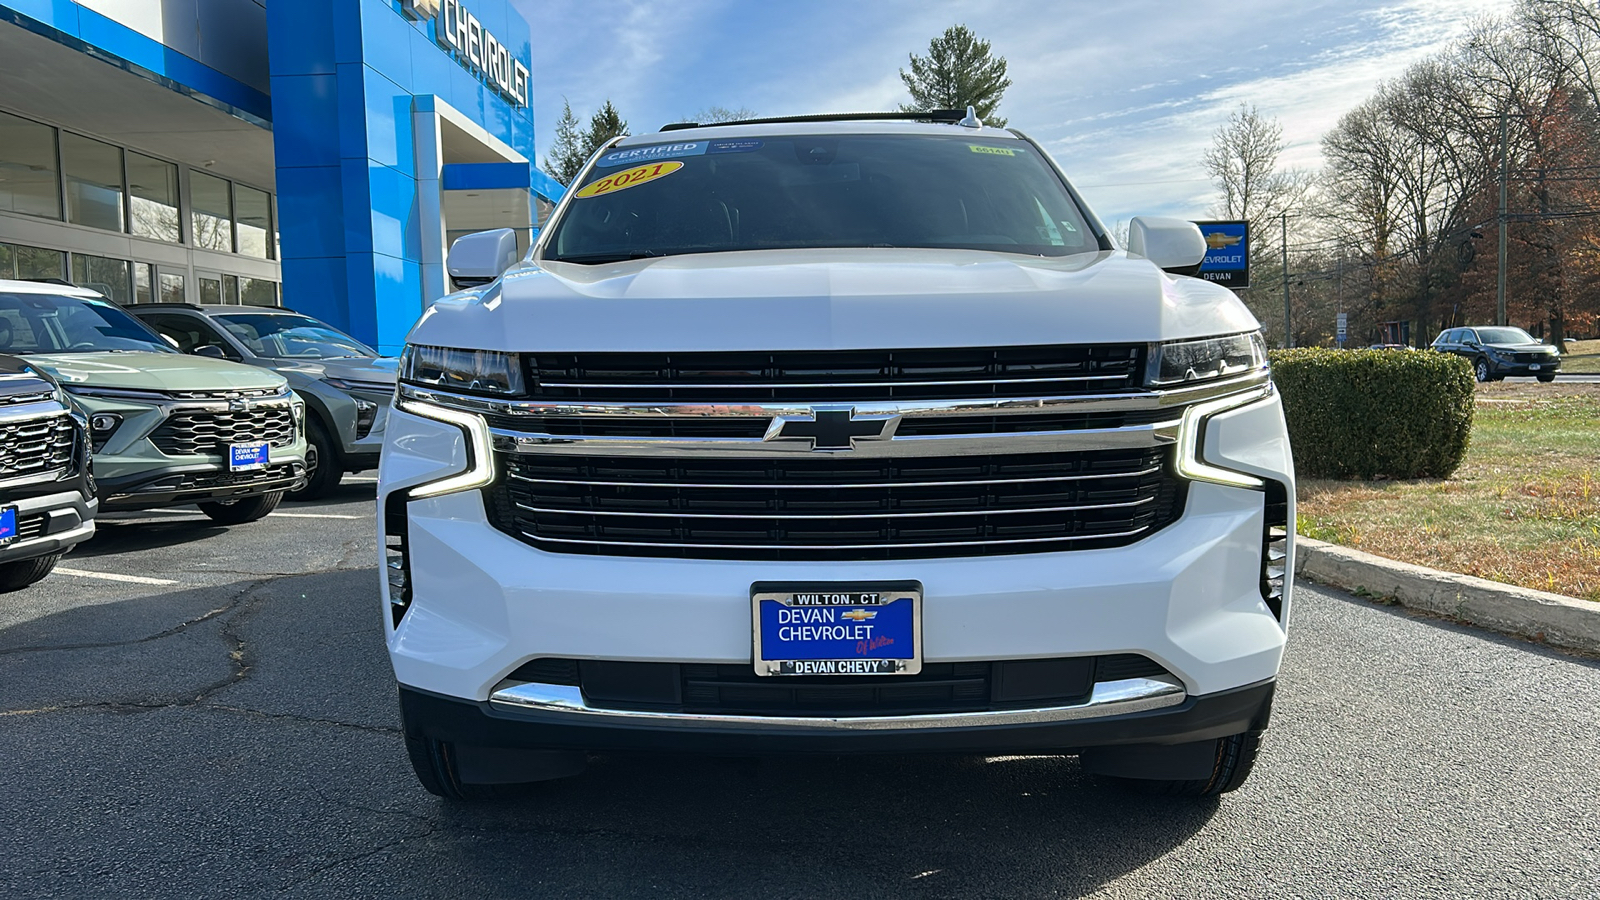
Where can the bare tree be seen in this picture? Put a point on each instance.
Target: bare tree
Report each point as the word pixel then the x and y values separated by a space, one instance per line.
pixel 712 115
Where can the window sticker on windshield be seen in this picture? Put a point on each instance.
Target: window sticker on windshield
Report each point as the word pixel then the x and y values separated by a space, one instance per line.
pixel 744 146
pixel 632 177
pixel 991 151
pixel 635 155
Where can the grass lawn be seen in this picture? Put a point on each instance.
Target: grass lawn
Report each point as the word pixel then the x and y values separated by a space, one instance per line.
pixel 1524 508
pixel 1582 356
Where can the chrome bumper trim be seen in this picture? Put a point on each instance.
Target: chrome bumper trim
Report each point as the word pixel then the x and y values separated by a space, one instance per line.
pixel 1110 698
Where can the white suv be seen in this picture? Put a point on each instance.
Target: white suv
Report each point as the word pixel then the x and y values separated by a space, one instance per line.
pixel 834 435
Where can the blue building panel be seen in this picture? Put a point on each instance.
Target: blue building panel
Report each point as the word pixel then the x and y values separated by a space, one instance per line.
pixel 339 84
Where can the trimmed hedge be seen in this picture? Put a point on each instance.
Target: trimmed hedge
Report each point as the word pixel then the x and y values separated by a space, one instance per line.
pixel 1375 413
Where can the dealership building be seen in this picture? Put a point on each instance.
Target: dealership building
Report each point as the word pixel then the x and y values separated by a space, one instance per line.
pixel 318 154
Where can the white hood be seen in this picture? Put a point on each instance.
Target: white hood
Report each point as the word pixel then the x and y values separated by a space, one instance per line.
pixel 832 299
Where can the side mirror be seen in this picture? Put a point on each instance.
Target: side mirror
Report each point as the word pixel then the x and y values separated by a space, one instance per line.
pixel 477 259
pixel 211 350
pixel 1174 245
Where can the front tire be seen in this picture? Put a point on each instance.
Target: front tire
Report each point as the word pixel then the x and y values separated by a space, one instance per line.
pixel 18 575
pixel 322 464
pixel 1547 378
pixel 1482 371
pixel 1234 757
pixel 239 512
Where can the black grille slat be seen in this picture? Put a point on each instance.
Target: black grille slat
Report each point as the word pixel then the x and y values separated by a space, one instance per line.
pixel 200 432
pixel 834 508
pixel 735 689
pixel 36 446
pixel 816 376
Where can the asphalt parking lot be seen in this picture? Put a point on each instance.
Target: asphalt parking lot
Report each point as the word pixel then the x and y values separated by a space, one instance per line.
pixel 192 711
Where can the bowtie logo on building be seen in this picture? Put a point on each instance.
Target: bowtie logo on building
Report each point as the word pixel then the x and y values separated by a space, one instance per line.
pixel 837 428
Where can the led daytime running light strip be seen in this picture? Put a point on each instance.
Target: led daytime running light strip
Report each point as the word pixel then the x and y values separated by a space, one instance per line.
pixel 1191 431
pixel 480 456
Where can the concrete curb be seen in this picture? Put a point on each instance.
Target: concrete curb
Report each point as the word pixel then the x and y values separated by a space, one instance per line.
pixel 1550 618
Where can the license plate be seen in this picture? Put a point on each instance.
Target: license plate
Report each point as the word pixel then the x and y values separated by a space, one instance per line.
pixel 245 457
pixel 1534 367
pixel 8 524
pixel 837 629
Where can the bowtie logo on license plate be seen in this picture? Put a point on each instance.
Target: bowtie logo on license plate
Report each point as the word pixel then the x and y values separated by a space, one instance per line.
pixel 836 428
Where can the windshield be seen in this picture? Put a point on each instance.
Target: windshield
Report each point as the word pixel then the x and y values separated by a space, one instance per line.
pixel 1505 336
pixel 291 336
pixel 55 323
pixel 869 190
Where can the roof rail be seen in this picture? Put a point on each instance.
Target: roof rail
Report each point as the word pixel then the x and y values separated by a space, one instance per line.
pixel 947 116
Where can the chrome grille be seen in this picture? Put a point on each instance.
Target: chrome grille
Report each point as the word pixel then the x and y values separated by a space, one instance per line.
pixel 824 376
pixel 36 446
pixel 190 432
pixel 835 507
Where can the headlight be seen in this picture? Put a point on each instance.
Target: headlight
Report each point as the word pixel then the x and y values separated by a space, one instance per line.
pixel 477 371
pixel 1183 362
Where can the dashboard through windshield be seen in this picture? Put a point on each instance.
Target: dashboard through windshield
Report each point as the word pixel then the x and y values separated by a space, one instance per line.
pixel 802 191
pixel 57 323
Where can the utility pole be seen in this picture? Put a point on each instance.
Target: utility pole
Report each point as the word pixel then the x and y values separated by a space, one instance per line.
pixel 1288 333
pixel 1500 285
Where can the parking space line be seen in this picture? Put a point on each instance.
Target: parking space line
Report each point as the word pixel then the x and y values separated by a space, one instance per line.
pixel 279 515
pixel 107 576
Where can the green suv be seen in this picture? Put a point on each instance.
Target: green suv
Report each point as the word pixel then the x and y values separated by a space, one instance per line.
pixel 167 429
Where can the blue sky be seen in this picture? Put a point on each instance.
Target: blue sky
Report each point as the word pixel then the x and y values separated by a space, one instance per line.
pixel 1124 93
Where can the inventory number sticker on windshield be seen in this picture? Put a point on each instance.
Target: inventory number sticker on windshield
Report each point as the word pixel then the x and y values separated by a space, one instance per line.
pixel 991 151
pixel 630 178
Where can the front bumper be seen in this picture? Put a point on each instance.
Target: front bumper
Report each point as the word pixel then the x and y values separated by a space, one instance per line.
pixel 50 523
pixel 487 724
pixel 1188 596
pixel 1525 370
pixel 176 485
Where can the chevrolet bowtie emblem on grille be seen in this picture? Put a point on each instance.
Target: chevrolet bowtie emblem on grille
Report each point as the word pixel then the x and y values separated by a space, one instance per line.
pixel 833 429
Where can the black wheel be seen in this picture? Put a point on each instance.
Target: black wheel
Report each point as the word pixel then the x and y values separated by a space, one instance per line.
pixel 238 512
pixel 1234 758
pixel 322 464
pixel 1547 378
pixel 1481 369
pixel 18 575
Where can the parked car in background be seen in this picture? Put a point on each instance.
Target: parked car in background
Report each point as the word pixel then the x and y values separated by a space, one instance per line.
pixel 47 502
pixel 347 386
pixel 166 429
pixel 1497 351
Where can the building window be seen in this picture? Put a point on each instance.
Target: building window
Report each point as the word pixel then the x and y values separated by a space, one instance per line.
pixel 254 213
pixel 29 181
pixel 111 277
pixel 258 292
pixel 171 288
pixel 142 287
pixel 211 205
pixel 17 261
pixel 210 290
pixel 230 290
pixel 153 198
pixel 93 173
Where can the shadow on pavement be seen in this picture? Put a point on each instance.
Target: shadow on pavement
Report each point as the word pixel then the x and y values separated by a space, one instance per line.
pixel 257 720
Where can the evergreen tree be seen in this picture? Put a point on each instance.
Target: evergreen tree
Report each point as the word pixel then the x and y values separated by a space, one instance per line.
pixel 566 154
pixel 959 71
pixel 573 147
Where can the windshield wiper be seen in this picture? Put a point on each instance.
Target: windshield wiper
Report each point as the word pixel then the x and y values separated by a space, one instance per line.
pixel 596 259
